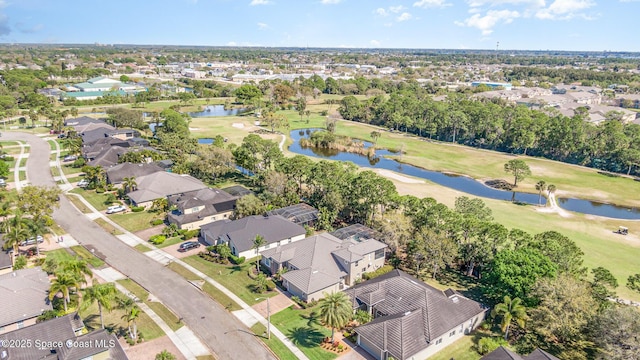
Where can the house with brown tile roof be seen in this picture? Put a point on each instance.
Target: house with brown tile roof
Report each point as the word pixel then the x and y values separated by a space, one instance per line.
pixel 412 320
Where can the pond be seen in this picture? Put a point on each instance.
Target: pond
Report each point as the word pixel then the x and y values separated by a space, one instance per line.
pixel 456 182
pixel 205 141
pixel 217 110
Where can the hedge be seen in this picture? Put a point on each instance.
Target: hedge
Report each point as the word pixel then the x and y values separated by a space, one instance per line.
pixel 156 222
pixel 374 274
pixel 236 260
pixel 190 234
pixel 137 208
pixel 157 239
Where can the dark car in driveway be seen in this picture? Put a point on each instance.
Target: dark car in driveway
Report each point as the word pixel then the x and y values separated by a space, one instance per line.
pixel 186 246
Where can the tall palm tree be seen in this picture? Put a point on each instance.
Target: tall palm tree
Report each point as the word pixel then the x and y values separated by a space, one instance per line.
pixel 129 184
pixel 510 310
pixel 77 268
pixel 16 232
pixel 5 211
pixel 63 283
pixel 335 311
pixel 551 189
pixel 257 242
pixel 540 186
pixel 165 355
pixel 103 294
pixel 38 227
pixel 131 316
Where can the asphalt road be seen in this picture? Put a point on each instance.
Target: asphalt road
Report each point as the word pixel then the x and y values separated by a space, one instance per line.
pixel 226 336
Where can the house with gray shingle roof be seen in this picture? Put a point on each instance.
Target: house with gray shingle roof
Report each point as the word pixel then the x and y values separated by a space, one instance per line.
pixel 160 185
pixel 239 234
pixel 192 209
pixel 502 353
pixel 117 173
pixel 61 338
pixel 323 264
pixel 23 297
pixel 412 320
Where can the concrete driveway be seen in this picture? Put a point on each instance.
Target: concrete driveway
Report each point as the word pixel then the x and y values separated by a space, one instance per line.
pixel 209 320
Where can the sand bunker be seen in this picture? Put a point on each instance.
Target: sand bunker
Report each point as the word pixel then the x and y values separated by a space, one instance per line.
pixel 238 125
pixel 404 179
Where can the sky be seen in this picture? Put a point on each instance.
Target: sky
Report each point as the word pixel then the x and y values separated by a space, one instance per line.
pixel 589 25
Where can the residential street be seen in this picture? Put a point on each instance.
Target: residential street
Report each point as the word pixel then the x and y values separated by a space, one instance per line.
pixel 227 337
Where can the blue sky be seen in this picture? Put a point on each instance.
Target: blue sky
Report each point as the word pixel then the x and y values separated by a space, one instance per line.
pixel 458 24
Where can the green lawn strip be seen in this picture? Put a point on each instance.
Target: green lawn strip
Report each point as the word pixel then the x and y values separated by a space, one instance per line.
pixel 183 271
pixel 22 175
pixel 134 221
pixel 167 315
pixel 79 204
pixel 73 179
pixel 88 256
pixel 277 346
pixel 55 171
pixel 171 241
pixel 205 357
pixel 96 200
pixel 233 277
pixel 59 255
pixel 52 145
pixel 114 320
pixel 5 144
pixel 68 169
pixel 142 248
pixel 23 162
pixel 220 297
pixel 303 328
pixel 133 287
pixel 107 226
pixel 57 229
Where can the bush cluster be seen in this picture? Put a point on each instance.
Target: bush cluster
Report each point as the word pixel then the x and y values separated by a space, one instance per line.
pixel 157 239
pixel 156 222
pixel 137 208
pixel 374 274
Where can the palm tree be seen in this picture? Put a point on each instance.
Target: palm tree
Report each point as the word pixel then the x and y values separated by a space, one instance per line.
pixel 103 294
pixel 63 283
pixel 16 232
pixel 540 186
pixel 129 184
pixel 165 355
pixel 510 310
pixel 257 242
pixel 77 268
pixel 131 316
pixel 551 189
pixel 160 205
pixel 38 227
pixel 335 311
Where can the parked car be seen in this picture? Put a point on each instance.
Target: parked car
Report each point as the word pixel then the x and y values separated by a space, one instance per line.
pixel 70 158
pixel 62 136
pixel 3 183
pixel 186 246
pixel 83 183
pixel 32 241
pixel 115 209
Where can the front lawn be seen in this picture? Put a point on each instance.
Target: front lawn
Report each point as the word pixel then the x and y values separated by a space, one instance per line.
pixel 135 221
pixel 305 331
pixel 463 349
pixel 59 255
pixel 88 256
pixel 96 200
pixel 277 346
pixel 171 241
pixel 233 277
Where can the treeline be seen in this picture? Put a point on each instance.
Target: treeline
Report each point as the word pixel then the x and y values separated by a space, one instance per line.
pixel 567 76
pixel 497 125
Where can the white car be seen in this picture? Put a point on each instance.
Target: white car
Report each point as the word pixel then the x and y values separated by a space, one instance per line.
pixel 83 183
pixel 115 209
pixel 32 241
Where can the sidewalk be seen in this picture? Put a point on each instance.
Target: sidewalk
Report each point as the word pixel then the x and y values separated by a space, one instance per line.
pixel 247 315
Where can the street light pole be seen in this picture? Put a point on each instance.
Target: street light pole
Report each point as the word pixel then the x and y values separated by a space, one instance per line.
pixel 268 317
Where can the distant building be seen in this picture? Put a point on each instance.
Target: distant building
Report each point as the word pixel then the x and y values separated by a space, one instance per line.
pixel 493 85
pixel 98 87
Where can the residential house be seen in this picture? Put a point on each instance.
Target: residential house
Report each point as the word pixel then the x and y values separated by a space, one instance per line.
pixel 83 121
pixel 412 320
pixel 6 261
pixel 109 156
pixel 93 149
pixel 502 353
pixel 240 234
pixel 160 185
pixel 61 338
pixel 323 264
pixel 301 214
pixel 123 134
pixel 237 191
pixel 193 209
pixel 117 173
pixel 23 297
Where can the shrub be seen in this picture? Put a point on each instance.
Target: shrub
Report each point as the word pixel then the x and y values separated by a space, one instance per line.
pixel 8 158
pixel 80 162
pixel 271 285
pixel 237 260
pixel 381 271
pixel 100 190
pixel 157 239
pixel 488 344
pixel 156 222
pixel 110 199
pixel 137 208
pixel 190 234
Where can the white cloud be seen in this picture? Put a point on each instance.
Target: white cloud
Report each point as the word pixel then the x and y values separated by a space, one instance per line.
pixel 565 9
pixel 478 3
pixel 262 26
pixel 374 43
pixel 259 2
pixel 396 9
pixel 489 20
pixel 381 12
pixel 404 17
pixel 231 43
pixel 431 3
pixel 326 2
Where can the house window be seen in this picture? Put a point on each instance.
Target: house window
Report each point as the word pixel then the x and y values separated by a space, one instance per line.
pixel 379 254
pixel 357 263
pixel 20 325
pixel 267 261
pixel 438 342
pixel 452 333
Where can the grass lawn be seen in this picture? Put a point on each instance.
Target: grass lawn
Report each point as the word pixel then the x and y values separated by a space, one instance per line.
pixel 183 271
pixel 23 162
pixel 133 221
pixel 22 175
pixel 142 248
pixel 220 297
pixel 107 226
pixel 205 357
pixel 68 169
pixel 59 255
pixel 463 349
pixel 54 171
pixel 96 200
pixel 5 144
pixel 274 343
pixel 79 204
pixel 304 329
pixel 57 229
pixel 171 241
pixel 134 288
pixel 52 145
pixel 233 277
pixel 88 256
pixel 167 315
